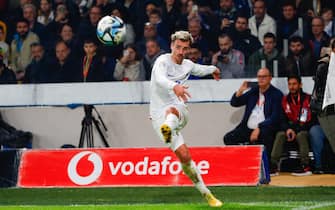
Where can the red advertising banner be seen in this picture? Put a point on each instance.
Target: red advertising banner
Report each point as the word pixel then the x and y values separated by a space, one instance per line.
pixel 231 165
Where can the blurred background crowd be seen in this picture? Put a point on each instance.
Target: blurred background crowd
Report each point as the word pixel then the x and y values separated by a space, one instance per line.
pixel 51 41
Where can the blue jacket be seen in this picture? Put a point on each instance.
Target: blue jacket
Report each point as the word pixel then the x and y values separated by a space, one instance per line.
pixel 272 106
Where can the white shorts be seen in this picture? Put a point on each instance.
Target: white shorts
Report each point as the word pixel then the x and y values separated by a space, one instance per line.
pixel 177 139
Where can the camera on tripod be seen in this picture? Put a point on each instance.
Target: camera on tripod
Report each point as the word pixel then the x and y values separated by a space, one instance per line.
pixel 88 122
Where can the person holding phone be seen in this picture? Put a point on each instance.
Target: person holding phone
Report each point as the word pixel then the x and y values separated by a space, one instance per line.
pixel 262 113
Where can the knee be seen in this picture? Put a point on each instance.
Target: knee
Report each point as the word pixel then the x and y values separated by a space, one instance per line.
pixel 280 136
pixel 172 110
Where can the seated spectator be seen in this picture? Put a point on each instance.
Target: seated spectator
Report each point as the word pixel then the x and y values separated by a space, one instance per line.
pixel 269 54
pixel 46 14
pixel 195 55
pixel 262 113
pixel 30 13
pixel 105 7
pixel 7 76
pixel 66 67
pixel 38 71
pixel 243 40
pixel 296 120
pixel 299 61
pixel 227 14
pixel 92 63
pixel 4 48
pixel 121 12
pixel 228 60
pixel 153 51
pixel 150 32
pixel 88 27
pixel 155 17
pixel 128 67
pixel 170 14
pixel 67 35
pixel 20 48
pixel 318 38
pixel 261 23
pixel 329 20
pixel 287 25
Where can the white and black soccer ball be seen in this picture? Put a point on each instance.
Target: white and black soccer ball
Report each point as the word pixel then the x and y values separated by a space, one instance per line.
pixel 111 30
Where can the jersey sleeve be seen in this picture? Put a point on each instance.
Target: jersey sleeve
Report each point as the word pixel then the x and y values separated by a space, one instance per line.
pixel 202 70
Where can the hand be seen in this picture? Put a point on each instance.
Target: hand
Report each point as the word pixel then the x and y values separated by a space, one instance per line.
pixel 225 23
pixel 243 88
pixel 217 74
pixel 290 134
pixel 181 92
pixel 254 135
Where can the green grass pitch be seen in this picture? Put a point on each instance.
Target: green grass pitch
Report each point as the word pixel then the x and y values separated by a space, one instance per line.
pixel 169 198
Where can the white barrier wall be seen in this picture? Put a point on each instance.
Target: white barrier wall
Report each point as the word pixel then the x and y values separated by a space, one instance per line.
pixel 124 109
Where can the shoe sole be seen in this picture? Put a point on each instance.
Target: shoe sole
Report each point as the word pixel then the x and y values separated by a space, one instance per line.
pixel 166 132
pixel 302 174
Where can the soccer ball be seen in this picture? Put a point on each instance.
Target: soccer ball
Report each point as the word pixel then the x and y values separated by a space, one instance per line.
pixel 111 30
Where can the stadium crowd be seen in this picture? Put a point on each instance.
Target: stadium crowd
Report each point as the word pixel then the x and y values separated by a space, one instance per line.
pixel 54 41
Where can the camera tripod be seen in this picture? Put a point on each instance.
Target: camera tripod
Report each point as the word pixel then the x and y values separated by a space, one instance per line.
pixel 87 123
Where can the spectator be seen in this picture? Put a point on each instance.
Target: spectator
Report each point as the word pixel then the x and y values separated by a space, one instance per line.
pixel 227 14
pixel 38 71
pixel 153 51
pixel 269 54
pixel 66 67
pixel 121 12
pixel 195 55
pixel 244 7
pixel 329 20
pixel 105 7
pixel 67 35
pixel 195 29
pixel 92 63
pixel 150 32
pixel 7 76
pixel 20 48
pixel 261 23
pixel 299 61
pixel 46 14
pixel 162 28
pixel 30 13
pixel 170 14
pixel 4 48
pixel 243 40
pixel 318 38
pixel 228 60
pixel 83 6
pixel 287 25
pixel 87 28
pixel 128 67
pixel 262 113
pixel 296 121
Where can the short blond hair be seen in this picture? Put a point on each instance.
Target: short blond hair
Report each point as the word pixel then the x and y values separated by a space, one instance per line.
pixel 183 36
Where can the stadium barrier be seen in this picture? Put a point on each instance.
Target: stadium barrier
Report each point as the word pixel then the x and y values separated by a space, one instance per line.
pixel 219 166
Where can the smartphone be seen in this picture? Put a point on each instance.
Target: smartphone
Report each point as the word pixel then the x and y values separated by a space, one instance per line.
pixel 125 52
pixel 252 84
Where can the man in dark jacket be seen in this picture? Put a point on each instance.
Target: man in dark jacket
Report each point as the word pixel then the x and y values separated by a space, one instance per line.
pixel 262 113
pixel 243 40
pixel 296 120
pixel 300 61
pixel 7 76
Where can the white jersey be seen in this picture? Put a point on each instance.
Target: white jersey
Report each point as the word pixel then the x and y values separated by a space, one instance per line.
pixel 165 75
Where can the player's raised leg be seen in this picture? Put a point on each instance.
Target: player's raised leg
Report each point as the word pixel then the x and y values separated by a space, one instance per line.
pixel 170 124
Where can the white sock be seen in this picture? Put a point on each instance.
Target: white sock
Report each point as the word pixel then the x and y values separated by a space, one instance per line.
pixel 193 173
pixel 172 121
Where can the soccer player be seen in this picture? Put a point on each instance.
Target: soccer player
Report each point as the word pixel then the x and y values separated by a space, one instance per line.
pixel 167 104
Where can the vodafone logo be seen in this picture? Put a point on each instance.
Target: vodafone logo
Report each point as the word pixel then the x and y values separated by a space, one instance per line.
pixel 93 176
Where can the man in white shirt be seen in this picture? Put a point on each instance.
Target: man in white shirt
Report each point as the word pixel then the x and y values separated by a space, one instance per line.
pixel 261 23
pixel 167 103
